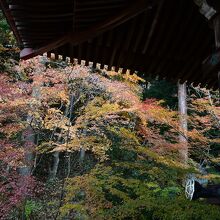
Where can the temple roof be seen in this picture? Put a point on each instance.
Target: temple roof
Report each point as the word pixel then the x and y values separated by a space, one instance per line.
pixel 168 38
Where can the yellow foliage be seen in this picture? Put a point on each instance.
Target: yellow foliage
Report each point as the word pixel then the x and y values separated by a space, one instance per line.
pixel 99 108
pixel 195 135
pixel 45 147
pixel 54 119
pixel 132 77
pixel 129 77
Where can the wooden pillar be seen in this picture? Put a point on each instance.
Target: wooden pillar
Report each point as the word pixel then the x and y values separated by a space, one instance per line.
pixel 182 106
pixel 216 24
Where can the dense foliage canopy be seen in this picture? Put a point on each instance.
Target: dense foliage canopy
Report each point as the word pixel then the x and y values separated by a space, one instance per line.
pixel 95 149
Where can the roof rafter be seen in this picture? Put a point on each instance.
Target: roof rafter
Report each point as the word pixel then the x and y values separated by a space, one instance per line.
pixel 76 38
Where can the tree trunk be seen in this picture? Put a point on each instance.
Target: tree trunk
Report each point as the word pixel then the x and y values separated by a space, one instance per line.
pixel 29 141
pixel 182 106
pixel 56 160
pixel 28 138
pixel 28 146
pixel 82 155
pixel 56 155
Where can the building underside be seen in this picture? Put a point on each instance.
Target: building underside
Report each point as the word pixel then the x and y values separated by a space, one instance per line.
pixel 169 38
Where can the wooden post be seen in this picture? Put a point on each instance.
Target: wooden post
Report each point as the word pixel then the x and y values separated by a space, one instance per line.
pixel 182 106
pixel 216 24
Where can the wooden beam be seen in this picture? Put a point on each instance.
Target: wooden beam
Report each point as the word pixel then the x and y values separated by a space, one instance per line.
pixel 143 28
pixel 22 15
pixel 43 9
pixel 98 8
pixel 36 35
pixel 130 33
pixel 112 22
pixel 38 21
pixel 153 26
pixel 44 49
pixel 217 40
pixel 43 29
pixel 159 43
pixel 98 14
pixel 90 3
pixel 39 4
pixel 211 65
pixel 9 19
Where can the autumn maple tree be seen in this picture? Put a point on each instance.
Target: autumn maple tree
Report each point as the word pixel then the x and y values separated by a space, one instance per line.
pixel 79 142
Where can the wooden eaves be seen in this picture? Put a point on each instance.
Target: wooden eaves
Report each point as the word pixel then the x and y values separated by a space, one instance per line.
pixel 168 38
